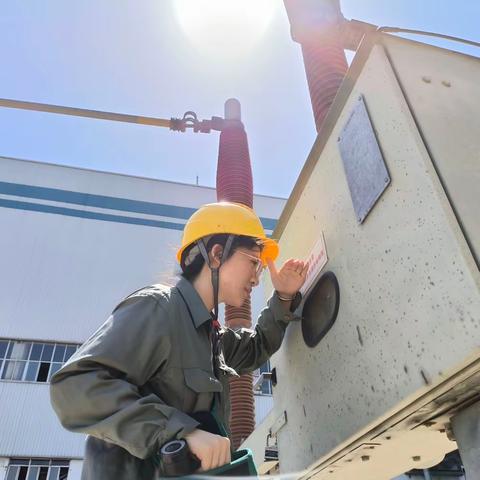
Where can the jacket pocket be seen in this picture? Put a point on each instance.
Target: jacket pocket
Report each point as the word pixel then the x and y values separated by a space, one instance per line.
pixel 201 388
pixel 201 381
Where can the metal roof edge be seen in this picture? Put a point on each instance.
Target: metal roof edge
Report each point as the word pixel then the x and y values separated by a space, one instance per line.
pixel 72 167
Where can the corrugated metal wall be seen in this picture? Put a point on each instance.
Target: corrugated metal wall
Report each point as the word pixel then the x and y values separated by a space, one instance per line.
pixel 29 427
pixel 263 406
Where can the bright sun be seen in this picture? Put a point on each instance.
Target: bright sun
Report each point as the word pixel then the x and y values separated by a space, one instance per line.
pixel 225 28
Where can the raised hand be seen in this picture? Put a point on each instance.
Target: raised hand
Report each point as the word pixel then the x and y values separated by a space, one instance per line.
pixel 289 279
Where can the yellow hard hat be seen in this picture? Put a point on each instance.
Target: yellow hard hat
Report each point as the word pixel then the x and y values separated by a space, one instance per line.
pixel 227 217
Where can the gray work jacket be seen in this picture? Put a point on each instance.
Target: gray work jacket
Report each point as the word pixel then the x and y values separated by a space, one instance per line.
pixel 133 383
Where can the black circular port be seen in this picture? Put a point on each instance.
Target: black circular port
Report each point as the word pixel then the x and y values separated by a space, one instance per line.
pixel 173 447
pixel 320 309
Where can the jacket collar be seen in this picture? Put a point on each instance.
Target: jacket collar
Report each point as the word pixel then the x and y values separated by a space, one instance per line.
pixel 195 305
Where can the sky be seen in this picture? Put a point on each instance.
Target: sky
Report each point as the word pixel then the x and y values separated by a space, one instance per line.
pixel 161 58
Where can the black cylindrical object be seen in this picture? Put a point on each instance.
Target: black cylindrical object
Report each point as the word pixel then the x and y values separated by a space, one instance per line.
pixel 177 460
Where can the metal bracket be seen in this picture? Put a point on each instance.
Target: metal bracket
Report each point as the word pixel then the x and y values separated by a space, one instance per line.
pixel 279 423
pixel 263 377
pixel 190 120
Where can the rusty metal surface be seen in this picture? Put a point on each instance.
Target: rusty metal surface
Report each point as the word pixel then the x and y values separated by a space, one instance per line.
pixel 365 169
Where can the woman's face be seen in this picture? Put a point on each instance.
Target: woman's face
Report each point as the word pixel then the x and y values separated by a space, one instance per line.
pixel 238 275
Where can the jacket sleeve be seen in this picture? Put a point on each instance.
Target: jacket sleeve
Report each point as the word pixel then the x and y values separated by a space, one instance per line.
pixel 246 350
pixel 97 390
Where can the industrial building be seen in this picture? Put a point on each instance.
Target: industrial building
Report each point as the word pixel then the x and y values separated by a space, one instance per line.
pixel 380 379
pixel 74 243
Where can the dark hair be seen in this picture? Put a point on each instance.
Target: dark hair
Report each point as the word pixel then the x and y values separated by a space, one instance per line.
pixel 191 271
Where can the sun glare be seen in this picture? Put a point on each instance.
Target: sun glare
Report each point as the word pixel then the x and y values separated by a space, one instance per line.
pixel 225 28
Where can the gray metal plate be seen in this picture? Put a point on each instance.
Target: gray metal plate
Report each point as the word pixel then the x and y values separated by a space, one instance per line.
pixel 366 172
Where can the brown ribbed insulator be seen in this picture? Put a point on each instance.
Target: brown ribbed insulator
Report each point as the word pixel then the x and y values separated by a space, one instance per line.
pixel 242 421
pixel 234 173
pixel 316 25
pixel 234 184
pixel 325 66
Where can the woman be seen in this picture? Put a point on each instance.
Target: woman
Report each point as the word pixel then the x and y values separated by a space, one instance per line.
pixel 158 368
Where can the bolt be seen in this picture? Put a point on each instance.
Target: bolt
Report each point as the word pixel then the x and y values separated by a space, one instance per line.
pixel 446 83
pixel 416 458
pixel 427 79
pixel 449 432
pixel 365 458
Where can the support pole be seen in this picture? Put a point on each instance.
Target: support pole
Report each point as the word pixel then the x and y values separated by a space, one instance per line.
pixel 235 184
pixel 317 26
pixel 466 429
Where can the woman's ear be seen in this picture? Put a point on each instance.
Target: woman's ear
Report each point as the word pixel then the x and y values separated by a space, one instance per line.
pixel 216 255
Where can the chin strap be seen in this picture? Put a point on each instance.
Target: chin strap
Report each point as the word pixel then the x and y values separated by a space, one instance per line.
pixel 215 273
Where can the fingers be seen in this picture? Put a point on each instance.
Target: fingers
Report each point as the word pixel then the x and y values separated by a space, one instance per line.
pixel 296 265
pixel 290 277
pixel 221 454
pixel 217 453
pixel 212 450
pixel 272 269
pixel 206 461
pixel 305 269
pixel 226 458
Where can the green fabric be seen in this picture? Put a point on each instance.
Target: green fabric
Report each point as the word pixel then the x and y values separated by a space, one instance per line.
pixel 242 465
pixel 133 383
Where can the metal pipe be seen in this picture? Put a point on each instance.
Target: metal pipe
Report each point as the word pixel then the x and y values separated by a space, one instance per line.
pixel 429 34
pixel 81 112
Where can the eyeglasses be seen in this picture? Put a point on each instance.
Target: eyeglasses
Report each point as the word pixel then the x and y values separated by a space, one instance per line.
pixel 259 267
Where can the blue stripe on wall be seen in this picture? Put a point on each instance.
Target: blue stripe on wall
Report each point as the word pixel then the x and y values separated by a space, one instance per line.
pixel 35 207
pixel 103 201
pixel 91 200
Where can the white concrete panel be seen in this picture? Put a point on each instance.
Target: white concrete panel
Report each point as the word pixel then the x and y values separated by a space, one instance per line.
pixel 441 88
pixel 256 442
pixel 407 333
